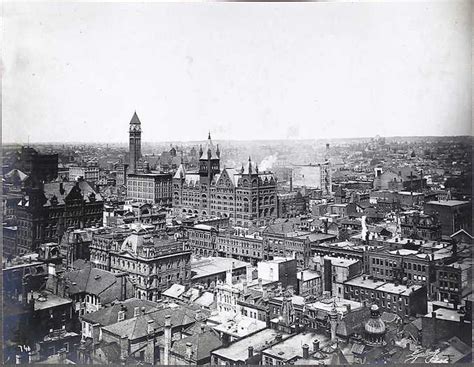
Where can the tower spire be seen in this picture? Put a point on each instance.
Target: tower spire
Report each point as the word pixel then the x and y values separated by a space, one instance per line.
pixel 209 135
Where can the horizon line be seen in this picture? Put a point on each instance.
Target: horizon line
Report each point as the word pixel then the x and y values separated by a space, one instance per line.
pixel 234 140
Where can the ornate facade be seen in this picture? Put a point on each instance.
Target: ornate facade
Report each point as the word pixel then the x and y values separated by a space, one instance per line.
pixel 153 263
pixel 247 196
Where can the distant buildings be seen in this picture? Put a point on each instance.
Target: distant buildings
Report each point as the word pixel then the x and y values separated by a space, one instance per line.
pixel 89 173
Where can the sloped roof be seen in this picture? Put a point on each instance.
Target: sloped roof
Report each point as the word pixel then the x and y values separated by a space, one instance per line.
pixel 202 345
pixel 209 147
pixel 135 119
pixel 109 315
pixel 16 173
pixel 101 283
pixel 175 291
pixel 136 327
pixel 206 299
pixel 338 358
pixel 82 187
pixel 180 172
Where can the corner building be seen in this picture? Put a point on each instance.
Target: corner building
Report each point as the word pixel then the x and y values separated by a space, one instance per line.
pixel 246 195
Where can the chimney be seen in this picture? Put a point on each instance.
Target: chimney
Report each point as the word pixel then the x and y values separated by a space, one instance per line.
pixel 124 348
pixel 260 283
pixel 305 351
pixel 278 337
pixel 291 182
pixel 189 350
pixel 228 276
pixel 407 346
pixel 348 306
pixel 202 328
pixel 315 345
pixel 250 351
pixel 136 312
pixel 245 287
pixel 150 346
pixel 167 339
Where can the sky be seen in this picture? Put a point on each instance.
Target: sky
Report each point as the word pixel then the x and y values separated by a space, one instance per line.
pixel 76 72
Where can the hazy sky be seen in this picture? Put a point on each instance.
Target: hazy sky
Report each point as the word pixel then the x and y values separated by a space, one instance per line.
pixel 78 71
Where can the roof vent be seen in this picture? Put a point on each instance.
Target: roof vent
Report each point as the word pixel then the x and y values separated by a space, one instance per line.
pixel 97 277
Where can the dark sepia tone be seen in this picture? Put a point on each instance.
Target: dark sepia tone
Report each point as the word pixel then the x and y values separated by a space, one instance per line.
pixel 237 183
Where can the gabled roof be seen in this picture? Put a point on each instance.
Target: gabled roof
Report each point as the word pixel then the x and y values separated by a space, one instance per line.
pixel 109 315
pixel 16 173
pixel 81 188
pixel 180 172
pixel 202 345
pixel 136 327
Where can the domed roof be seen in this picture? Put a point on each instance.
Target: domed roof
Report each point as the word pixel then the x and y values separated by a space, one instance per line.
pixel 375 325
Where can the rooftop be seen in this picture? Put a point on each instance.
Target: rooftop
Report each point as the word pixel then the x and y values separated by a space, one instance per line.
pixel 214 265
pixel 292 346
pixel 47 300
pixel 239 327
pixel 238 351
pixel 448 202
pixel 382 286
pixel 339 261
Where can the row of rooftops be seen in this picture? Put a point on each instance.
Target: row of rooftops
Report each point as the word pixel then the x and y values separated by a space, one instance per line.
pixel 366 282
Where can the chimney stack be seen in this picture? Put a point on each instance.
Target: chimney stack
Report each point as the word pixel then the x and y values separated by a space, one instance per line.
pixel 250 351
pixel 167 339
pixel 124 348
pixel 305 351
pixel 189 350
pixel 136 312
pixel 315 345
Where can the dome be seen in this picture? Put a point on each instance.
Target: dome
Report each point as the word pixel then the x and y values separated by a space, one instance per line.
pixel 375 327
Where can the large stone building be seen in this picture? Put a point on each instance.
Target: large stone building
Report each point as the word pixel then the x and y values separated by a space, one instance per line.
pixel 246 195
pixel 153 263
pixel 45 212
pixel 152 188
